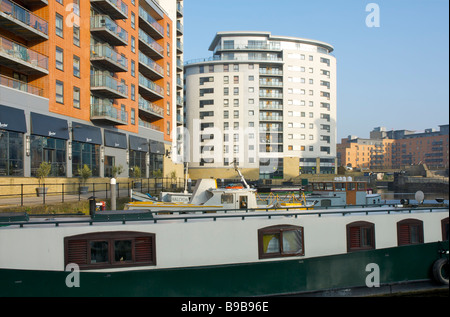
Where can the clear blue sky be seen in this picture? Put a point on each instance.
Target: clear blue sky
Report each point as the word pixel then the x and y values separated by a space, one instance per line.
pixel 396 76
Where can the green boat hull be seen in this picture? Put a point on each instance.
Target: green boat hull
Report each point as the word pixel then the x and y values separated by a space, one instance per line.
pixel 396 265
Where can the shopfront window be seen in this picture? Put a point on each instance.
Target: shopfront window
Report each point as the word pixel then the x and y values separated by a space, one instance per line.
pixel 46 149
pixel 11 153
pixel 156 163
pixel 137 158
pixel 85 153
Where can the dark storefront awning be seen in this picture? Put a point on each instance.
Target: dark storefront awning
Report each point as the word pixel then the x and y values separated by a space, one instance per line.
pixel 138 144
pixel 156 147
pixel 86 133
pixel 115 139
pixel 12 119
pixel 48 126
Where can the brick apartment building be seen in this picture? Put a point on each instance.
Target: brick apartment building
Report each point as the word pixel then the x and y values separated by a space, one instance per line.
pixel 394 149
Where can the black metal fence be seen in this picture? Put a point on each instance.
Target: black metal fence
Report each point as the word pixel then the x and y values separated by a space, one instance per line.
pixel 20 194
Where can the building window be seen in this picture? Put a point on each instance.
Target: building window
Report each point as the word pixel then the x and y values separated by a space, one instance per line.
pixel 280 241
pixel 76 66
pixel 444 223
pixel 133 92
pixel 133 20
pixel 110 249
pixel 11 154
pixel 47 149
pixel 133 44
pixel 360 236
pixel 85 154
pixel 59 91
pixel 133 68
pixel 76 35
pixel 59 25
pixel 76 97
pixel 133 116
pixel 59 58
pixel 409 231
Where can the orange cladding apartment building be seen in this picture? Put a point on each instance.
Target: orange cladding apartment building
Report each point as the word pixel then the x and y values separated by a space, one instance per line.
pixel 94 83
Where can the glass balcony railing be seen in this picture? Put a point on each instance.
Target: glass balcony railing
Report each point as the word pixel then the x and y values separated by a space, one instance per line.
pixel 104 108
pixel 147 83
pixel 148 125
pixel 18 51
pixel 147 61
pixel 24 16
pixel 102 80
pixel 150 20
pixel 20 85
pixel 104 21
pixel 150 107
pixel 106 51
pixel 149 41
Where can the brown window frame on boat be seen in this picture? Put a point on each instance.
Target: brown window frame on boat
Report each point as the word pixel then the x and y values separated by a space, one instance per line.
pixel 78 249
pixel 351 231
pixel 279 230
pixel 405 236
pixel 444 224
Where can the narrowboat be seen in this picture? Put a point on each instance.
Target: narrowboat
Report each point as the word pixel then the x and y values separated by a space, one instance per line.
pixel 242 253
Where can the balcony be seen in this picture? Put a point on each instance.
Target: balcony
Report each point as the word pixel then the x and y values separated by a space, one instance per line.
pixel 106 57
pixel 150 25
pixel 116 9
pixel 270 83
pixel 180 101
pixel 270 117
pixel 20 85
pixel 179 10
pixel 22 22
pixel 150 110
pixel 33 3
pixel 108 87
pixel 102 110
pixel 179 47
pixel 270 94
pixel 149 89
pixel 180 28
pixel 105 28
pixel 148 125
pixel 22 59
pixel 149 46
pixel 149 68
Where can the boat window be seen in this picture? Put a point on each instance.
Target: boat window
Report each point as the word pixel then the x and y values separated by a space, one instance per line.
pixel 317 186
pixel 351 186
pixel 123 250
pixel 328 186
pixel 360 236
pixel 409 231
pixel 110 249
pixel 444 223
pixel 227 198
pixel 99 251
pixel 361 186
pixel 280 241
pixel 339 186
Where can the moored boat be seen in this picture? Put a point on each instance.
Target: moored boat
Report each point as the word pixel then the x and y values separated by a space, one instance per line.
pixel 243 253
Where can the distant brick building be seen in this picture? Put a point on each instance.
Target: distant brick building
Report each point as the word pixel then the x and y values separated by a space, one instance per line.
pixel 393 149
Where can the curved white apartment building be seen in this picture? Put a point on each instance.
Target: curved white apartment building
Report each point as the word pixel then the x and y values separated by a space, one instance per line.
pixel 267 102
